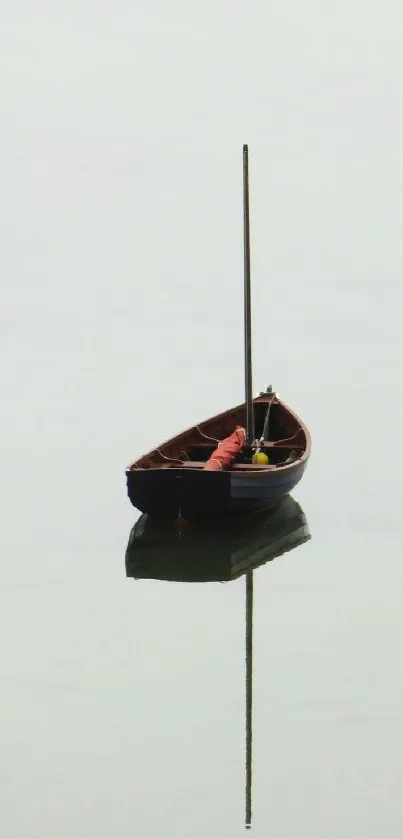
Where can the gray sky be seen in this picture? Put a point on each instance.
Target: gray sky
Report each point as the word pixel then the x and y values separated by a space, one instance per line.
pixel 121 287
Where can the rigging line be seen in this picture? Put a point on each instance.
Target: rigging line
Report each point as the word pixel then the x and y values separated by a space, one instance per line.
pixel 214 439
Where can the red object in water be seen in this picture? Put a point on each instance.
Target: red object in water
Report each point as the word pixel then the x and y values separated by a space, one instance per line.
pixel 226 450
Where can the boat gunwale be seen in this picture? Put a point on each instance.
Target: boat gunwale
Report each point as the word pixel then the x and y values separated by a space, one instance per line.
pixel 262 398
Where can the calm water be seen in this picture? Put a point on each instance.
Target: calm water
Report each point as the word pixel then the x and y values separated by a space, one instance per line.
pixel 123 701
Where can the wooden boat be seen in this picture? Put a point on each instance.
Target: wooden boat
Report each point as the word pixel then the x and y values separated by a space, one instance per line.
pixel 214 549
pixel 245 458
pixel 172 479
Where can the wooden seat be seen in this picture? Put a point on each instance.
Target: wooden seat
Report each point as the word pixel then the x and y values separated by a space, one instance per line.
pixel 250 466
pixel 200 464
pixel 268 444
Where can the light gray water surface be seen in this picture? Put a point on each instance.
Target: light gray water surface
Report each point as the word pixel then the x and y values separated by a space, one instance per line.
pixel 122 702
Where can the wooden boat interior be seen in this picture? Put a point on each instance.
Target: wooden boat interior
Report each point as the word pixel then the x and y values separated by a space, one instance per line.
pixel 191 449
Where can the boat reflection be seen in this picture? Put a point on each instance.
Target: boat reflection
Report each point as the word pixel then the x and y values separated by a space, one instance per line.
pixel 214 549
pixel 219 550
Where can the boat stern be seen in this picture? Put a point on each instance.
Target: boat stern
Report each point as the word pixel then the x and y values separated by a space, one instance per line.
pixel 168 491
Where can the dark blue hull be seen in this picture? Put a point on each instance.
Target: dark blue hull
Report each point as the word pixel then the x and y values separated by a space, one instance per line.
pixel 199 492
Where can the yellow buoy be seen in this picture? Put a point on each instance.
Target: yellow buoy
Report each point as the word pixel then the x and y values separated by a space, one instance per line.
pixel 260 457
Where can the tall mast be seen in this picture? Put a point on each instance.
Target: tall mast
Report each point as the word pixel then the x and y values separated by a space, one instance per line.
pixel 248 693
pixel 247 301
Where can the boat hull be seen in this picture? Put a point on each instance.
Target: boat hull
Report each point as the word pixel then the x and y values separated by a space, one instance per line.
pixel 198 492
